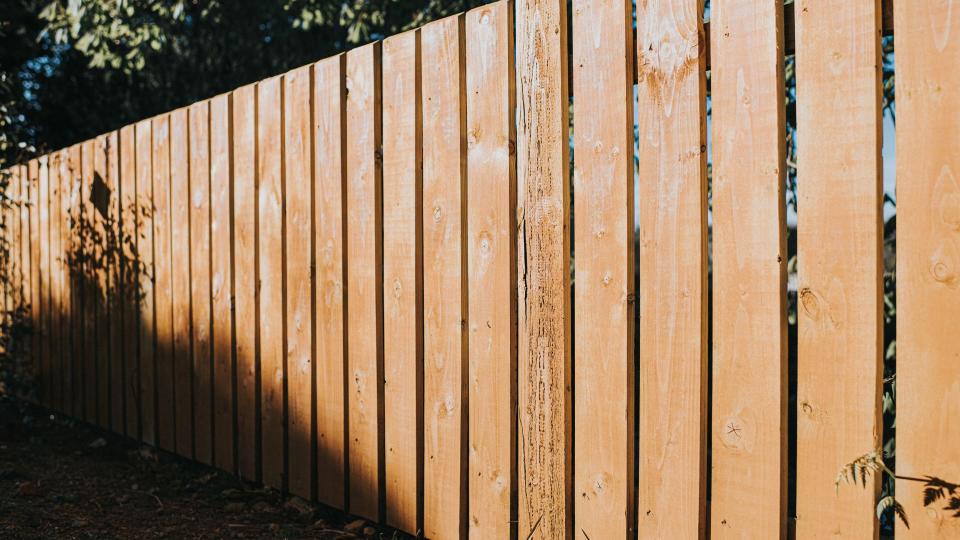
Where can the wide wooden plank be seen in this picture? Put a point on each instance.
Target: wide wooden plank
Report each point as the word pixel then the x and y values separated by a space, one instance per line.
pixel 114 307
pixel 673 269
pixel 749 467
pixel 604 292
pixel 199 114
pixel 492 270
pixel 545 416
pixel 88 291
pixel 44 382
pixel 444 279
pixel 100 280
pixel 145 319
pixel 129 278
pixel 840 257
pixel 36 286
pixel 402 281
pixel 298 260
pixel 180 280
pixel 68 200
pixel 364 279
pixel 243 117
pixel 270 278
pixel 928 198
pixel 163 256
pixel 330 174
pixel 220 280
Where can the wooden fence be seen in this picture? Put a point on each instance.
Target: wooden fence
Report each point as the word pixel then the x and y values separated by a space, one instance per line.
pixel 354 281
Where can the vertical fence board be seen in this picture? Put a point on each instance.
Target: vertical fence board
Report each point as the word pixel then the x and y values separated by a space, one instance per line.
pixel 145 250
pixel 491 264
pixel 180 279
pixel 402 281
pixel 749 467
pixel 12 221
pixel 44 328
pixel 220 283
pixel 56 165
pixel 24 248
pixel 199 114
pixel 88 294
pixel 543 268
pixel 673 269
pixel 928 255
pixel 329 104
pixel 270 237
pixel 163 283
pixel 839 250
pixel 298 258
pixel 603 292
pixel 68 201
pixel 114 308
pixel 444 279
pixel 244 145
pixel 365 279
pixel 129 280
pixel 36 338
pixel 99 279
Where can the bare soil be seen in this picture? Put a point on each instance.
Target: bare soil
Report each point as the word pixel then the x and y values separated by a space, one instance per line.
pixel 64 479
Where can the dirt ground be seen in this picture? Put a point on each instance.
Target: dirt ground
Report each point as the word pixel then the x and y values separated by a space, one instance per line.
pixel 63 479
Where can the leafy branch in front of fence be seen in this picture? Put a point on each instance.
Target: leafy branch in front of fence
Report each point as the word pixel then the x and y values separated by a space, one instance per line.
pixel 862 468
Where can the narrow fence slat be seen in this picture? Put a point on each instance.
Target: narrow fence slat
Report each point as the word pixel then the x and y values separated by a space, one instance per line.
pixel 15 276
pixel 180 280
pixel 86 268
pixel 928 255
pixel 402 281
pixel 24 247
pixel 673 269
pixel 298 259
pixel 749 459
pixel 163 256
pixel 364 280
pixel 68 200
pixel 36 338
pixel 603 237
pixel 58 175
pixel 545 415
pixel 43 222
pixel 114 321
pixel 243 155
pixel 492 270
pixel 146 276
pixel 839 253
pixel 129 278
pixel 220 283
pixel 270 279
pixel 329 117
pixel 199 114
pixel 444 279
pixel 98 277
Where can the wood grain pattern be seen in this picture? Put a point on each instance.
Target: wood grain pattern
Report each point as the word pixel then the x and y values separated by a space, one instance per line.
pixel 129 280
pixel 364 279
pixel 749 460
pixel 839 253
pixel 163 283
pixel 545 420
pixel 145 251
pixel 444 280
pixel 299 261
pixel 492 270
pixel 403 281
pixel 220 279
pixel 88 292
pixel 200 324
pixel 99 280
pixel 270 278
pixel 43 268
pixel 330 174
pixel 928 261
pixel 244 115
pixel 180 280
pixel 604 293
pixel 673 269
